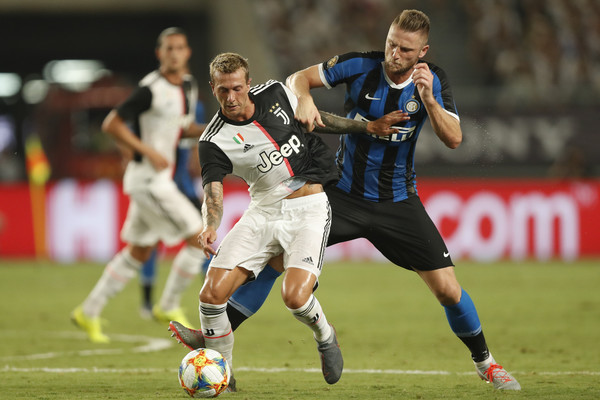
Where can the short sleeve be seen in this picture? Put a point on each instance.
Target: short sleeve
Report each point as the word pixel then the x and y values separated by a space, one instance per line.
pixel 138 102
pixel 214 162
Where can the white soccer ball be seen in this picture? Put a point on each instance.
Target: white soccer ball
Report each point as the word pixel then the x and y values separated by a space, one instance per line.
pixel 204 373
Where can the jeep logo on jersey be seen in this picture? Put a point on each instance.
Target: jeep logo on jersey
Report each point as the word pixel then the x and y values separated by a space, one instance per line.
pixel 276 157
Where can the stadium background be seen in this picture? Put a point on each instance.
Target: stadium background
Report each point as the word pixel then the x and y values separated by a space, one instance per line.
pixel 525 75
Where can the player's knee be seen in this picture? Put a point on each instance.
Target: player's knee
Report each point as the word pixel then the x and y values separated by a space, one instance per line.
pixel 448 295
pixel 294 296
pixel 141 253
pixel 211 296
pixel 295 302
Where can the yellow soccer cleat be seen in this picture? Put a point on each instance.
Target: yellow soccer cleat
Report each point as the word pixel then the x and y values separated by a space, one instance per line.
pixel 165 317
pixel 90 325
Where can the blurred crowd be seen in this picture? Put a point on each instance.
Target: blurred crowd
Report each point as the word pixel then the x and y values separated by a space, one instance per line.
pixel 528 51
pixel 537 51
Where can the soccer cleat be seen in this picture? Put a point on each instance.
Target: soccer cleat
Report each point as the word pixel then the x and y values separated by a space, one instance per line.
pixel 232 387
pixel 165 317
pixel 90 325
pixel 332 363
pixel 190 338
pixel 496 374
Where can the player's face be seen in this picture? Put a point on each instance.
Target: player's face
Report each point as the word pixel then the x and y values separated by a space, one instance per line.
pixel 402 51
pixel 173 53
pixel 231 91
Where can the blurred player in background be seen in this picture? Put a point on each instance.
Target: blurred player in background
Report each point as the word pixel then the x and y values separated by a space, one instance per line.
pixel 376 197
pixel 185 183
pixel 161 110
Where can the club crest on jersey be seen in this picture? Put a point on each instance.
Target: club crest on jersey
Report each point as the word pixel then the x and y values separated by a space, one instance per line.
pixel 332 61
pixel 412 106
pixel 276 157
pixel 239 139
pixel 278 112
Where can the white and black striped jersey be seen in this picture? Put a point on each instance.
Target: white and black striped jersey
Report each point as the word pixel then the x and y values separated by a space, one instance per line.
pixel 271 151
pixel 157 111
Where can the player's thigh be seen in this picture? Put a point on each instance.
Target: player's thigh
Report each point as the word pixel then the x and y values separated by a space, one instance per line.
pixel 249 244
pixel 179 218
pixel 405 234
pixel 350 216
pixel 303 232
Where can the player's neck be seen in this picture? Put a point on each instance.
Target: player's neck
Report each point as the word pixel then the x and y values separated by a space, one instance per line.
pixel 399 78
pixel 174 77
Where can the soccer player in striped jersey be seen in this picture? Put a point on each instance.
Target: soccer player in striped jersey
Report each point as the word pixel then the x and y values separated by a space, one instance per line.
pixel 255 137
pixel 161 110
pixel 376 197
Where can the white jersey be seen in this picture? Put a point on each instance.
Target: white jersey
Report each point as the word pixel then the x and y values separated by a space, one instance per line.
pixel 159 111
pixel 270 151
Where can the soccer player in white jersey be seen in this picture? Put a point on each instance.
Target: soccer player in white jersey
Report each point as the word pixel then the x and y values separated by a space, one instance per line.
pixel 254 136
pixel 161 111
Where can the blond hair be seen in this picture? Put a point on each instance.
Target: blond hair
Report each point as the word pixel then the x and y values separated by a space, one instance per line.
pixel 413 21
pixel 227 63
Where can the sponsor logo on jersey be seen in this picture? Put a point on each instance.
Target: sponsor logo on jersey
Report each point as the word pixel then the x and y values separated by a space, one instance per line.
pixel 404 133
pixel 278 112
pixel 248 147
pixel 276 157
pixel 412 106
pixel 308 260
pixel 332 61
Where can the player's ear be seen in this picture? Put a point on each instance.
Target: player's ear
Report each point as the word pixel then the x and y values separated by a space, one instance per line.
pixel 423 51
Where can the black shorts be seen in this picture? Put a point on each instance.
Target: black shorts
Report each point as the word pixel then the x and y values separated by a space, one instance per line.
pixel 401 231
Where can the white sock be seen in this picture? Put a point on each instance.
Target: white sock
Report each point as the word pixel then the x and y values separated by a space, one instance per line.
pixel 116 274
pixel 483 365
pixel 311 314
pixel 186 266
pixel 216 329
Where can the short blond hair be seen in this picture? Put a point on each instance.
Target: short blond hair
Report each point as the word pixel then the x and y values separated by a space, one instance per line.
pixel 227 63
pixel 413 21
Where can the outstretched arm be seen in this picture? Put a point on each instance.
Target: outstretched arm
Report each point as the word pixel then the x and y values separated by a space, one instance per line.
pixel 379 127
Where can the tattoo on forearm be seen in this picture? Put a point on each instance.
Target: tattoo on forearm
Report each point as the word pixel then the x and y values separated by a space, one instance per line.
pixel 338 125
pixel 212 208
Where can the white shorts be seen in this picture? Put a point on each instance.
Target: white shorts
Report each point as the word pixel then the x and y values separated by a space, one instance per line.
pixel 160 213
pixel 297 227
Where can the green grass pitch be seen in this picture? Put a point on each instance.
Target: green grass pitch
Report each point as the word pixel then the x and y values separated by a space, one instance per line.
pixel 541 320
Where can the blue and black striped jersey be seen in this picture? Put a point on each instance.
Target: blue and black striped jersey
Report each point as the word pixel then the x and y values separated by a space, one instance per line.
pixel 374 167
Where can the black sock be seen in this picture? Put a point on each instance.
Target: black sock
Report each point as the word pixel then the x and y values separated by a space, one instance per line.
pixel 147 295
pixel 478 346
pixel 235 316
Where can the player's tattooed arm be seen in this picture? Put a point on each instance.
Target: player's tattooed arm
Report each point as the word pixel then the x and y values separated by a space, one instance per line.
pixel 381 127
pixel 212 213
pixel 212 208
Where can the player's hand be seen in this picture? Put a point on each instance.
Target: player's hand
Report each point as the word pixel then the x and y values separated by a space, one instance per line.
pixel 423 79
pixel 207 237
pixel 383 126
pixel 308 114
pixel 157 160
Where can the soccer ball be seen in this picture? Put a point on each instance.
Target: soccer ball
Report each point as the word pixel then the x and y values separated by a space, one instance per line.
pixel 204 373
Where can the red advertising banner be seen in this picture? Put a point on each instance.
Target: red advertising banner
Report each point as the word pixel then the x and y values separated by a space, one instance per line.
pixel 483 220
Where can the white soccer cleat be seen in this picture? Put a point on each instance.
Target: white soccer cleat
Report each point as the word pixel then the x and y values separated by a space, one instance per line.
pixel 495 374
